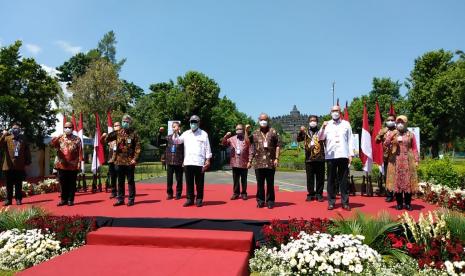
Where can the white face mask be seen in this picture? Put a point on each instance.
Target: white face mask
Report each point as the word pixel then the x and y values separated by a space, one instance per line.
pixel 335 115
pixel 68 131
pixel 263 123
pixel 390 124
pixel 312 124
pixel 400 126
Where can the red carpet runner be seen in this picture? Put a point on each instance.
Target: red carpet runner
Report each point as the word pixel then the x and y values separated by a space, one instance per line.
pixel 147 251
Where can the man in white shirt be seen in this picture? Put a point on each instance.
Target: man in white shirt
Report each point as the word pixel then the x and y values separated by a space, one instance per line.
pixel 339 151
pixel 197 155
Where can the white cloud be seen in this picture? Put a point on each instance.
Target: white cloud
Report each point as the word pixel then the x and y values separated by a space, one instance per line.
pixel 67 47
pixel 33 49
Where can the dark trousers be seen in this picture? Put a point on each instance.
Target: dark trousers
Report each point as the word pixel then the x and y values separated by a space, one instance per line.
pixel 67 181
pixel 126 172
pixel 14 179
pixel 338 170
pixel 174 170
pixel 239 176
pixel 262 176
pixel 113 177
pixel 403 198
pixel 314 170
pixel 194 175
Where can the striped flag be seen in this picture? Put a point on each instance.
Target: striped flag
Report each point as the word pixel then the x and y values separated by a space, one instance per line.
pixel 366 154
pixel 346 113
pixel 80 134
pixel 377 147
pixel 73 120
pixel 98 157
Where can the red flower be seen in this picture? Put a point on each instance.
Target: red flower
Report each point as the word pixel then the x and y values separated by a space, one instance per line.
pixel 398 244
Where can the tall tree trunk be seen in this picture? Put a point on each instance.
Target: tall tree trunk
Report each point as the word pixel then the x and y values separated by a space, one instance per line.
pixel 435 149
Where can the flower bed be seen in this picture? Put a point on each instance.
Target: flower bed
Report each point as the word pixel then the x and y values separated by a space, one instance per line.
pixel 443 196
pixel 46 186
pixel 434 245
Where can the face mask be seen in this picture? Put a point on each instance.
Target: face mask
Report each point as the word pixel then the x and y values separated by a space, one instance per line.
pixel 125 125
pixel 68 131
pixel 335 115
pixel 15 132
pixel 194 126
pixel 313 124
pixel 400 126
pixel 263 123
pixel 390 124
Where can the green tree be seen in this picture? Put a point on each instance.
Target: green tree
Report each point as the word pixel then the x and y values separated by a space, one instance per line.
pixel 435 98
pixel 385 91
pixel 26 94
pixel 76 66
pixel 131 92
pixel 98 90
pixel 107 48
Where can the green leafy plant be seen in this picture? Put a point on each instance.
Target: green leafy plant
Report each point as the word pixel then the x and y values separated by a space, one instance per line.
pixel 357 164
pixel 441 172
pixel 17 218
pixel 455 223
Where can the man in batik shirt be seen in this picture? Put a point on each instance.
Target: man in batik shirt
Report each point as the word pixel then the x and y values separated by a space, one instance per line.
pixel 127 154
pixel 239 145
pixel 112 175
pixel 69 157
pixel 265 153
pixel 380 138
pixel 17 157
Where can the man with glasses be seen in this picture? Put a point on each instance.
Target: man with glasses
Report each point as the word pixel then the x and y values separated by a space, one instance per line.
pixel 339 151
pixel 197 155
pixel 239 145
pixel 17 156
pixel 69 153
pixel 127 154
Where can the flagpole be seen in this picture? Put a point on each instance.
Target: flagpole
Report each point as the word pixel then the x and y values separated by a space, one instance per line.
pixel 334 83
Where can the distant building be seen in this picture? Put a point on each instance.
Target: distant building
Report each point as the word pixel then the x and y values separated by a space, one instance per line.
pixel 291 123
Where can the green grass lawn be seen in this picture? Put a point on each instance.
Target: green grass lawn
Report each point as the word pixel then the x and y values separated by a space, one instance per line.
pixel 7 272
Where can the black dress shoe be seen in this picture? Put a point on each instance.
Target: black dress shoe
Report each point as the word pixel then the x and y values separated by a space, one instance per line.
pixel 130 203
pixel 270 205
pixel 70 203
pixel 188 203
pixel 244 197
pixel 309 198
pixel 398 207
pixel 169 197
pixel 199 203
pixel 319 198
pixel 61 203
pixel 260 204
pixel 234 197
pixel 346 207
pixel 118 203
pixel 18 202
pixel 331 207
pixel 178 197
pixel 389 199
pixel 112 196
pixel 7 203
pixel 408 207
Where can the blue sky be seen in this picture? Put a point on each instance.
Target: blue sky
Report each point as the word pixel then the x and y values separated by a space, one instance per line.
pixel 266 55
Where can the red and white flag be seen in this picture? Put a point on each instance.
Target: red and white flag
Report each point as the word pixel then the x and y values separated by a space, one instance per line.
pixel 98 157
pixel 366 154
pixel 109 122
pixel 392 111
pixel 377 147
pixel 73 120
pixel 80 134
pixel 64 121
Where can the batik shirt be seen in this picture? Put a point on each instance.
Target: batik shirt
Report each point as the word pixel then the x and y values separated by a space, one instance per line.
pixel 127 146
pixel 239 151
pixel 69 152
pixel 17 152
pixel 263 148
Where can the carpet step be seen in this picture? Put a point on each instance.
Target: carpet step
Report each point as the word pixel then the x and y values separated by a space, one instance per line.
pixel 112 260
pixel 172 238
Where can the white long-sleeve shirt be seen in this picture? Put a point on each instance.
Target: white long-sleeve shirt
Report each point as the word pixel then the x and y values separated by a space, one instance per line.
pixel 196 147
pixel 338 139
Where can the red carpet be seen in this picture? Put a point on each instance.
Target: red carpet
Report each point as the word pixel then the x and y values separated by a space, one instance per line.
pixel 172 238
pixel 113 260
pixel 151 203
